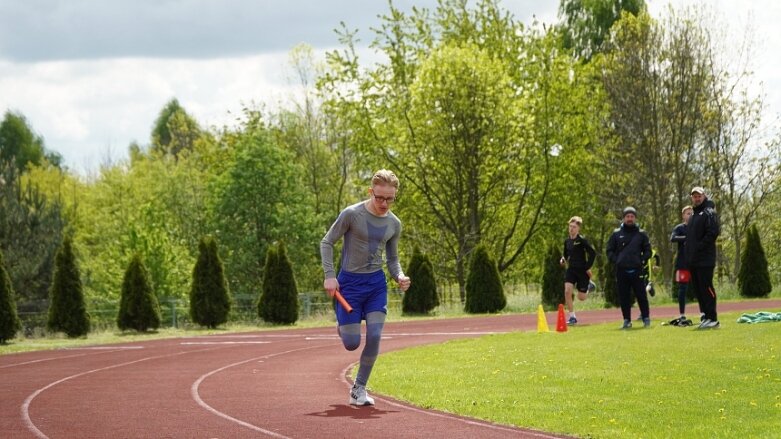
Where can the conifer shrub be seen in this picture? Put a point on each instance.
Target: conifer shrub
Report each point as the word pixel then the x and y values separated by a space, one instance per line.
pixel 754 277
pixel 67 310
pixel 138 306
pixel 278 301
pixel 9 319
pixel 421 297
pixel 609 283
pixel 484 290
pixel 209 300
pixel 552 279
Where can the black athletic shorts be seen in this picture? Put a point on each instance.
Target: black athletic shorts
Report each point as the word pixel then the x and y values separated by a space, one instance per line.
pixel 578 277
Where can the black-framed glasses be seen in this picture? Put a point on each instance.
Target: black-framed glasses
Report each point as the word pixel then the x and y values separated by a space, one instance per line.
pixel 389 200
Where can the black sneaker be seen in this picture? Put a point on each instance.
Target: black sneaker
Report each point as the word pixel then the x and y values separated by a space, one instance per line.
pixel 627 324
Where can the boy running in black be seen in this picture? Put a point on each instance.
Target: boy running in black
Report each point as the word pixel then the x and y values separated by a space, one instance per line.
pixel 579 256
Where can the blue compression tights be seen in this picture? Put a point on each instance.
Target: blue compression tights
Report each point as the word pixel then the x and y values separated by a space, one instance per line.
pixel 351 338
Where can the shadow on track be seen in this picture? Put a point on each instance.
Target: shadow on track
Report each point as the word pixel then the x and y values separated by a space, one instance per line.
pixel 348 411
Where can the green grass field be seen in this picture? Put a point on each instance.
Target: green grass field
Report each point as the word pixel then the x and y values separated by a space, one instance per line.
pixel 600 382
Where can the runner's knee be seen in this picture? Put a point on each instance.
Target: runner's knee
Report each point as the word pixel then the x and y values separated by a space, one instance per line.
pixel 351 342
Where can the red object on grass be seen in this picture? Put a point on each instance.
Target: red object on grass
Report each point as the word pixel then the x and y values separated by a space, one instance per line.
pixel 561 322
pixel 682 276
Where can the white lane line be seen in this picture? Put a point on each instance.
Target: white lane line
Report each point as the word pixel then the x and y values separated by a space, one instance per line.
pixel 223 342
pixel 26 405
pixel 104 348
pixel 194 392
pixel 247 336
pixel 477 423
pixel 41 360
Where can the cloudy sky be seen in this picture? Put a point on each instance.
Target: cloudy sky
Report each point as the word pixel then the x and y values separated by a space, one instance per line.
pixel 92 75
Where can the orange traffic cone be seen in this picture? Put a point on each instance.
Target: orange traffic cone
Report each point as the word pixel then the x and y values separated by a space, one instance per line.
pixel 561 323
pixel 542 322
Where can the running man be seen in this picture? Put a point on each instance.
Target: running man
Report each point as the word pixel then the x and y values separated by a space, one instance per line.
pixel 579 256
pixel 368 228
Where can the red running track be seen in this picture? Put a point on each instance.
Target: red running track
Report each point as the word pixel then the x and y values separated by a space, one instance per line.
pixel 283 384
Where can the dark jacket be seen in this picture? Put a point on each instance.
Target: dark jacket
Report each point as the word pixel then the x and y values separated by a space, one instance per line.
pixel 579 253
pixel 701 236
pixel 629 247
pixel 679 237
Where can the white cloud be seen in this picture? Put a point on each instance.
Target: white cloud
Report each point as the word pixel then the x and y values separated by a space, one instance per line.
pixel 86 109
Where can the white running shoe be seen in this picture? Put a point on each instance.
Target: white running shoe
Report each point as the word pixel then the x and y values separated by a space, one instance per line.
pixel 709 324
pixel 358 396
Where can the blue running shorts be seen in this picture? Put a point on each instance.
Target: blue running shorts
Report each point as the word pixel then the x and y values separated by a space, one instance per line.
pixel 365 292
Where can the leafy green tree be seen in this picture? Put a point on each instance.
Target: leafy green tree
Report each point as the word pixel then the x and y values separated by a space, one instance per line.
pixel 315 138
pixel 608 278
pixel 9 320
pixel 421 297
pixel 138 306
pixel 742 177
pixel 279 298
pixel 552 278
pixel 754 277
pixel 153 206
pixel 31 227
pixel 31 221
pixel 174 131
pixel 67 311
pixel 20 147
pixel 258 200
pixel 471 111
pixel 658 77
pixel 484 290
pixel 209 299
pixel 586 23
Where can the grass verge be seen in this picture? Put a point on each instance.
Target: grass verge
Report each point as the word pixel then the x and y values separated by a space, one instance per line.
pixel 597 381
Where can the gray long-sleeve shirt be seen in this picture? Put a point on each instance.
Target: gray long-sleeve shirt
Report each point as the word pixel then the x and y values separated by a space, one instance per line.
pixel 365 237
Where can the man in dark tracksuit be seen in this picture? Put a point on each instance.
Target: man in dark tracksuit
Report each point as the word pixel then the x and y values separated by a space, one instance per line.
pixel 629 250
pixel 703 229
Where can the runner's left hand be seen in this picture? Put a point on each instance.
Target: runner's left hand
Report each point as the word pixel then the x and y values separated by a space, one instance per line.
pixel 404 282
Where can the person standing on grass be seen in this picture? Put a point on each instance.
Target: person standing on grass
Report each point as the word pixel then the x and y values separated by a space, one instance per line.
pixel 703 229
pixel 368 228
pixel 579 256
pixel 629 250
pixel 682 274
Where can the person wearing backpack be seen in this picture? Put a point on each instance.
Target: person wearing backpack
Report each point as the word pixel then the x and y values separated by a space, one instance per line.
pixel 629 249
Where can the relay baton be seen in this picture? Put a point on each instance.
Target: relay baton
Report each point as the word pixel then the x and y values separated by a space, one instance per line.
pixel 341 300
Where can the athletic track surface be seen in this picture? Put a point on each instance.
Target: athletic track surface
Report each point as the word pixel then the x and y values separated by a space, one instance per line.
pixel 281 384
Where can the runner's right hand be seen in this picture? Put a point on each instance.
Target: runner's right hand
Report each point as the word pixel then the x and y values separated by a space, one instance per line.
pixel 331 285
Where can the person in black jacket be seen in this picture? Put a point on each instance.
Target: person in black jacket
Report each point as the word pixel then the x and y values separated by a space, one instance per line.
pixel 682 274
pixel 703 229
pixel 579 256
pixel 629 250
